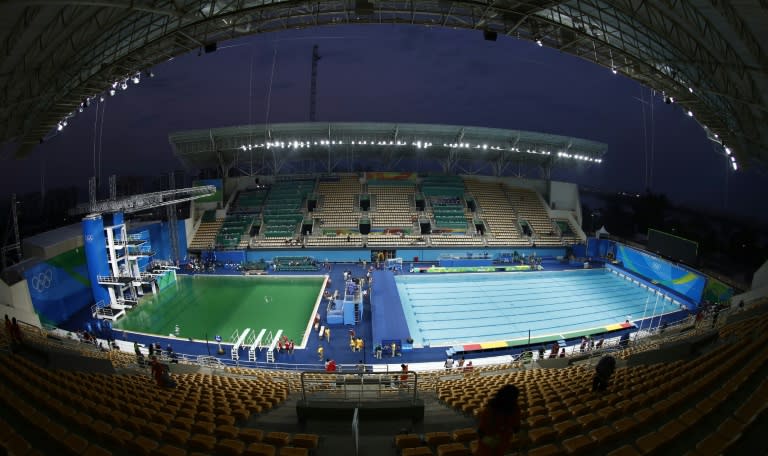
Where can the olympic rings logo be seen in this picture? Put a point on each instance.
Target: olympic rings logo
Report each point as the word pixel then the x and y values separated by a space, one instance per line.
pixel 42 280
pixel 89 238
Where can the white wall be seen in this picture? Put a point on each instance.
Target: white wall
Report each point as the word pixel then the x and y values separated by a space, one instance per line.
pixel 16 302
pixel 564 196
pixel 760 277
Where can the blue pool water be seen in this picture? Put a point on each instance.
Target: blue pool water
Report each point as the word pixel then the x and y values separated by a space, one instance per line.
pixel 448 309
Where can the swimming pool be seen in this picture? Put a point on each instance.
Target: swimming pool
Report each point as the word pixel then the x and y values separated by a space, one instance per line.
pixel 444 310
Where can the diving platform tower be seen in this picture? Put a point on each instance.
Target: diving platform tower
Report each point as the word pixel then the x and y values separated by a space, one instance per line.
pixel 114 258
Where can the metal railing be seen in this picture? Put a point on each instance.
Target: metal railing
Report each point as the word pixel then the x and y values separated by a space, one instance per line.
pixel 358 387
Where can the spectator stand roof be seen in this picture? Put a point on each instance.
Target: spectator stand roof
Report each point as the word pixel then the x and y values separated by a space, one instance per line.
pixel 344 147
pixel 707 55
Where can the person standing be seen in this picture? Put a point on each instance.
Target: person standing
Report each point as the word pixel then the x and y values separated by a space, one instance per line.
pixel 15 331
pixel 603 372
pixel 9 327
pixel 498 422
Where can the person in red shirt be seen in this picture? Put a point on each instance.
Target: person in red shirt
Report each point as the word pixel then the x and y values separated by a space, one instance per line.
pixel 330 365
pixel 498 421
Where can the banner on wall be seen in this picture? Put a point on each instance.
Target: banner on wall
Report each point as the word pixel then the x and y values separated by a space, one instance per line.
pixel 217 197
pixel 59 287
pixel 717 291
pixel 391 176
pixel 662 272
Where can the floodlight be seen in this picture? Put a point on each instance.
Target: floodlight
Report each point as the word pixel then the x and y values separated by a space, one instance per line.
pixel 64 123
pixel 690 89
pixel 136 79
pixel 735 166
pixel 539 43
pixel 614 70
pixel 124 85
pixel 690 113
pixel 60 127
pixel 728 151
pixel 101 98
pixel 112 92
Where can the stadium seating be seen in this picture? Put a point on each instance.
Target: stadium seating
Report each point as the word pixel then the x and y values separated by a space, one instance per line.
pixel 392 206
pixel 338 205
pixel 205 236
pixel 283 209
pixel 496 211
pixel 658 408
pixel 530 207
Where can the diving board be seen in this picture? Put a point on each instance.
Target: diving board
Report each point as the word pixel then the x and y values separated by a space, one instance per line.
pixel 272 346
pixel 256 344
pixel 238 343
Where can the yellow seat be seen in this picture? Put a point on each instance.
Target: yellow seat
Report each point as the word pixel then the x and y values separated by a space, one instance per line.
pixel 549 449
pixel 260 449
pixel 542 435
pixel 417 451
pixel 176 436
pixel 652 443
pixel 453 449
pixel 202 442
pixel 169 450
pixel 230 447
pixel 293 451
pixel 580 444
pixel 437 438
pixel 277 438
pixel 250 435
pixel 626 450
pixel 227 431
pixel 403 441
pixel 309 441
pixel 566 429
pixel 142 445
pixel 464 435
pixel 95 450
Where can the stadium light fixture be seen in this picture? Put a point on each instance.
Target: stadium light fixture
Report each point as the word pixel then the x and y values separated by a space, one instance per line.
pixel 64 123
pixel 717 136
pixel 733 159
pixel 690 89
pixel 735 166
pixel 60 127
pixel 124 85
pixel 690 113
pixel 539 43
pixel 111 92
pixel 101 98
pixel 728 151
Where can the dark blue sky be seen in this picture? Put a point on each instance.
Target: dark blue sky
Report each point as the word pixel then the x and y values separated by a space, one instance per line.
pixel 399 74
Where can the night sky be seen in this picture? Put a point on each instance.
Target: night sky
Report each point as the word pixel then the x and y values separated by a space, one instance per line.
pixel 399 74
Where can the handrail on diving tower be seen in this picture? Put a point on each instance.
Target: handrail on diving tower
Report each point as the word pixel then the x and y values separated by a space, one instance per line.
pixel 238 343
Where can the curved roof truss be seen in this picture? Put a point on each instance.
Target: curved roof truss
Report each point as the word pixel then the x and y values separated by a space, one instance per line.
pixel 706 55
pixel 344 146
